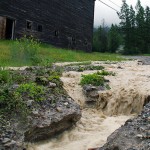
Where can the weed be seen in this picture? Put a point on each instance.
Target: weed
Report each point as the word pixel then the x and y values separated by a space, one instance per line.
pixel 9 102
pixel 30 90
pixel 26 50
pixel 5 76
pixel 106 73
pixel 93 79
pixel 107 87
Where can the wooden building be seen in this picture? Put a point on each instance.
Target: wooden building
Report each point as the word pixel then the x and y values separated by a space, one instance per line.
pixel 63 23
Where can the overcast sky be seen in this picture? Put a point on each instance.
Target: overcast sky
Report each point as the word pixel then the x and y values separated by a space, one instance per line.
pixel 110 16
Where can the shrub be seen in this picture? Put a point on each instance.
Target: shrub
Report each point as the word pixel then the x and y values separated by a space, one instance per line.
pixel 5 76
pixel 8 102
pixel 94 79
pixel 26 50
pixel 31 90
pixel 105 73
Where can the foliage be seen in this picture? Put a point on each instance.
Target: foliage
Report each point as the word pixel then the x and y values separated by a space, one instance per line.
pixel 31 90
pixel 55 78
pixel 9 102
pixel 100 39
pixel 82 68
pixel 114 39
pixel 5 76
pixel 93 79
pixel 106 73
pixel 26 50
pixel 135 25
pixel 107 39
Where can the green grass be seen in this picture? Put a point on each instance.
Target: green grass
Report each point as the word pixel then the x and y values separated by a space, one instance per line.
pixel 50 54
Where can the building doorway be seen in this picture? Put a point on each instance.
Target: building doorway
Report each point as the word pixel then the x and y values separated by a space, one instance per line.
pixel 7 27
pixel 9 32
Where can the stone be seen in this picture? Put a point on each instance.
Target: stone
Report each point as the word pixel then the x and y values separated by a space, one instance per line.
pixel 59 109
pixel 91 93
pixel 5 140
pixel 29 103
pixel 9 144
pixel 44 119
pixel 66 103
pixel 53 121
pixel 52 85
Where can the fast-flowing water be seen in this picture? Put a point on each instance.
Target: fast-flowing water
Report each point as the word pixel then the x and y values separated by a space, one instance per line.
pixel 129 89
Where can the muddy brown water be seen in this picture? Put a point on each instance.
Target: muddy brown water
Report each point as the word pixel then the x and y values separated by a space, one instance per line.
pixel 129 89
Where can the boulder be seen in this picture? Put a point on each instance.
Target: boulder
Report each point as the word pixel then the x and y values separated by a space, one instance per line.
pixel 91 92
pixel 43 123
pixel 51 121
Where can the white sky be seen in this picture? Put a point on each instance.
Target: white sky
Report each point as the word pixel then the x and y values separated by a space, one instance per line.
pixel 110 16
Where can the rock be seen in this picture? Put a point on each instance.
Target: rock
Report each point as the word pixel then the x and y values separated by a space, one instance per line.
pixel 66 103
pixel 35 112
pixel 52 85
pixel 59 109
pixel 42 118
pixel 91 93
pixel 29 103
pixel 93 149
pixel 119 67
pixel 10 144
pixel 50 122
pixel 5 140
pixel 134 135
pixel 140 62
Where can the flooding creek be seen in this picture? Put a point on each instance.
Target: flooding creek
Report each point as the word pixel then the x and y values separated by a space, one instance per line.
pixel 129 89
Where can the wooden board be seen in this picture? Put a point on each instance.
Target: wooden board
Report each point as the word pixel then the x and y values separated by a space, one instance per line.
pixel 2 27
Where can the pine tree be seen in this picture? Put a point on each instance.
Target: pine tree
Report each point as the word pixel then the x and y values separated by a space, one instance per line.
pixel 100 39
pixel 125 23
pixel 147 29
pixel 114 39
pixel 140 26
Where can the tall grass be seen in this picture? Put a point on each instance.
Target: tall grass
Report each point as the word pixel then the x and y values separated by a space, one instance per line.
pixel 30 52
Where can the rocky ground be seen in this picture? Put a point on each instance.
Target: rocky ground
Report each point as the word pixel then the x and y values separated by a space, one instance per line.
pixel 30 114
pixel 145 60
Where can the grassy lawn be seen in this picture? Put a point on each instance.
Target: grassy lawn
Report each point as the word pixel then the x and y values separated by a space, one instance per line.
pixel 11 55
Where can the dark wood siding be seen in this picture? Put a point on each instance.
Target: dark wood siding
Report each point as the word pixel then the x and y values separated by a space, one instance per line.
pixel 65 23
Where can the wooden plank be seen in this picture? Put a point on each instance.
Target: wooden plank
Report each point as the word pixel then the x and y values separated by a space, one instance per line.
pixel 2 27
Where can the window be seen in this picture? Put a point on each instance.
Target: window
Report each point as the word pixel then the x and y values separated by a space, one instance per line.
pixel 85 42
pixel 29 25
pixel 73 39
pixel 39 28
pixel 56 33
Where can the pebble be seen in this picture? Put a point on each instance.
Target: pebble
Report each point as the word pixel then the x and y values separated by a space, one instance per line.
pixel 5 140
pixel 52 85
pixel 10 143
pixel 66 103
pixel 59 109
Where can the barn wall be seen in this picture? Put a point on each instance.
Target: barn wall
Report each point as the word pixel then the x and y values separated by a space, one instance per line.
pixel 66 23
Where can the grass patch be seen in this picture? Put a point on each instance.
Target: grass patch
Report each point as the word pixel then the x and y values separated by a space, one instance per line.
pixel 96 79
pixel 106 73
pixel 14 53
pixel 93 79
